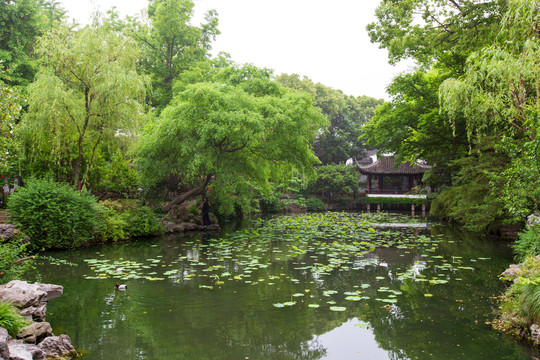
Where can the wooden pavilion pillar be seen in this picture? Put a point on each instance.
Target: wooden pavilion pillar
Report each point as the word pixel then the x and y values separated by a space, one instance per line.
pixel 369 184
pixel 380 185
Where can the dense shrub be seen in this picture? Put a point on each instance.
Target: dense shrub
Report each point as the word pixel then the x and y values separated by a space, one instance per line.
pixel 112 225
pixel 53 215
pixel 334 180
pixel 520 305
pixel 10 319
pixel 528 243
pixel 314 204
pixel 270 204
pixel 141 221
pixel 123 220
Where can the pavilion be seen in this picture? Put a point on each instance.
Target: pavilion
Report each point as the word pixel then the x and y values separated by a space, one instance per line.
pixel 392 179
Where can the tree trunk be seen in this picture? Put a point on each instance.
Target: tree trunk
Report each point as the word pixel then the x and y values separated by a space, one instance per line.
pixel 201 190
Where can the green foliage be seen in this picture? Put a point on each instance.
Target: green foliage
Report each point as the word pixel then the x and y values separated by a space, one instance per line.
pixel 117 175
pixel 170 44
pixel 333 180
pixel 270 204
pixel 234 133
pixel 10 253
pixel 194 208
pixel 11 320
pixel 141 221
pixel 112 224
pixel 425 30
pixel 412 128
pixel 86 93
pixel 528 243
pixel 346 115
pixel 522 299
pixel 11 104
pixel 21 21
pixel 314 204
pixel 53 215
pixel 474 199
pixel 120 221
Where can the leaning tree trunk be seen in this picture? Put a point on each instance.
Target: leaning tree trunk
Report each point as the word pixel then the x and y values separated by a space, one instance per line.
pixel 201 190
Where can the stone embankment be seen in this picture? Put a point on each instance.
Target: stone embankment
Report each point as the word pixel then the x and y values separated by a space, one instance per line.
pixel 36 341
pixel 180 219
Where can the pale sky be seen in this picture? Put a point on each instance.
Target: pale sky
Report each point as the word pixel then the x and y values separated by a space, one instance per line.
pixel 324 40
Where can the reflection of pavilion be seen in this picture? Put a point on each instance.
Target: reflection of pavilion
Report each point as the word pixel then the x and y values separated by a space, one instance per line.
pixel 394 256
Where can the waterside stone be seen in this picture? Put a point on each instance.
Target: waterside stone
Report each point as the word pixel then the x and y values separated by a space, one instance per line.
pixel 20 351
pixel 57 346
pixel 35 332
pixel 4 349
pixel 535 333
pixel 31 299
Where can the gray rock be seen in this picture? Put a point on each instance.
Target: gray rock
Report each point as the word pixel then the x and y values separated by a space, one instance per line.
pixel 30 298
pixel 533 219
pixel 535 333
pixel 57 346
pixel 7 231
pixel 35 332
pixel 52 291
pixel 36 313
pixel 21 294
pixel 511 273
pixel 20 351
pixel 4 349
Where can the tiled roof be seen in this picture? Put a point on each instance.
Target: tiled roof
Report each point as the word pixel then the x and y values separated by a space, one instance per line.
pixel 385 166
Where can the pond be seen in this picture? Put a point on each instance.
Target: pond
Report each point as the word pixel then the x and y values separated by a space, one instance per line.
pixel 312 286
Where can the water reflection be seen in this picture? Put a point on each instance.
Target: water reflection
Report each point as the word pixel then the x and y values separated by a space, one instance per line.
pixel 187 316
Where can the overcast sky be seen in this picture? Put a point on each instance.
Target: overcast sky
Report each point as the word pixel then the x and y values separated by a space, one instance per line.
pixel 325 40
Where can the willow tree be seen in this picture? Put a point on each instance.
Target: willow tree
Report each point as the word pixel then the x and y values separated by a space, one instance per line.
pixel 499 96
pixel 11 105
pixel 229 135
pixel 86 92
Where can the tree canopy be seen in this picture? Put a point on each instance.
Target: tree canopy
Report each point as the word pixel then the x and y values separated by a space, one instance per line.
pixel 239 130
pixel 346 114
pixel 170 44
pixel 86 92
pixel 471 105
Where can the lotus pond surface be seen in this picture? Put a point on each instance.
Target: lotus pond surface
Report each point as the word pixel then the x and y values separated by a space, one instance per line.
pixel 310 286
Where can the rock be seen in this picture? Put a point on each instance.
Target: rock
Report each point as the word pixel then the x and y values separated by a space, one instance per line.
pixel 36 313
pixel 4 349
pixel 511 273
pixel 533 219
pixel 57 346
pixel 52 291
pixel 7 231
pixel 35 332
pixel 30 298
pixel 20 351
pixel 21 294
pixel 535 333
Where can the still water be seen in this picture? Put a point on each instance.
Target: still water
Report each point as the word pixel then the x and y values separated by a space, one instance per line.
pixel 336 287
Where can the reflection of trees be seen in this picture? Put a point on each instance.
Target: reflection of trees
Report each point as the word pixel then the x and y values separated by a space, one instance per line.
pixel 155 320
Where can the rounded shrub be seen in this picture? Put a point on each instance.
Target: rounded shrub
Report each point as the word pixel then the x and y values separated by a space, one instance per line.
pixel 314 204
pixel 53 215
pixel 141 221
